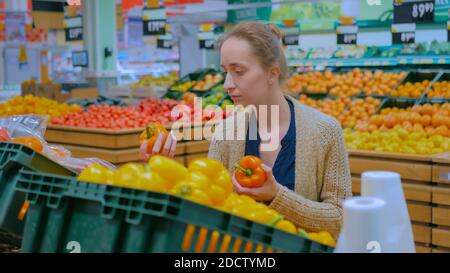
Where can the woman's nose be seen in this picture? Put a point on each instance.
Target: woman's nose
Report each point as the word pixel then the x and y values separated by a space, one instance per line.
pixel 229 83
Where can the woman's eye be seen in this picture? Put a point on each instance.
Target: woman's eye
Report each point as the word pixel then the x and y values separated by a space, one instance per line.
pixel 239 72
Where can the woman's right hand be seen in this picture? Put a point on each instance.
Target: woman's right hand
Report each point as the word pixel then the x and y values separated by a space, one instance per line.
pixel 168 149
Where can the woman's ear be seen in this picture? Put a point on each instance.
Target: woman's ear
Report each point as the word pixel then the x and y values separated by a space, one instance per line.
pixel 274 74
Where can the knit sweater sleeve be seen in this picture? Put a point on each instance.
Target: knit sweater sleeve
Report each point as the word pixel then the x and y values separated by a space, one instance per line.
pixel 327 213
pixel 217 148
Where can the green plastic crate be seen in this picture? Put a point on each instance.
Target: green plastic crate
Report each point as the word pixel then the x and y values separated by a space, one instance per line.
pixel 207 92
pixel 444 76
pixel 414 77
pixel 107 219
pixel 13 158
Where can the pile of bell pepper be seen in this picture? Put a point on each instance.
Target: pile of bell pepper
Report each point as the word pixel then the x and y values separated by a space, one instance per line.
pixel 205 181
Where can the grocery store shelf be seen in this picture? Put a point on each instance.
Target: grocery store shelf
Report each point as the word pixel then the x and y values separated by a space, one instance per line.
pixel 402 60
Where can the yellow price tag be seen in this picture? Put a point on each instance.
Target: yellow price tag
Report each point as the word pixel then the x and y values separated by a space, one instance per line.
pixel 206 27
pixel 152 4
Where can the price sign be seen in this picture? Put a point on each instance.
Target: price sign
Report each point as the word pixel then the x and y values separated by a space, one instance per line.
pixel 207 44
pixel 403 33
pixel 164 41
pixel 164 44
pixel 290 40
pixel 74 34
pixel 347 35
pixel 291 32
pixel 207 35
pixel 154 27
pixel 154 21
pixel 414 11
pixel 448 27
pixel 346 39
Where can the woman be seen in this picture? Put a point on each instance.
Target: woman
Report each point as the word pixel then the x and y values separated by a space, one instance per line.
pixel 307 170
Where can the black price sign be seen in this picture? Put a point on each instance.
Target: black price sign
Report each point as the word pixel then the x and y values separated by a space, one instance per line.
pixel 208 44
pixel 448 31
pixel 155 27
pixel 414 12
pixel 74 34
pixel 164 44
pixel 290 40
pixel 404 38
pixel 347 39
pixel 347 34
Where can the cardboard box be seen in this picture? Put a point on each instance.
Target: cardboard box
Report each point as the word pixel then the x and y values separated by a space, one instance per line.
pixel 28 89
pixel 85 93
pixel 48 90
pixel 62 96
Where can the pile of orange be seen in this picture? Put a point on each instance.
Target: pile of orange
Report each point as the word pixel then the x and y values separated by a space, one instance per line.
pixel 411 90
pixel 348 112
pixel 433 119
pixel 332 107
pixel 350 83
pixel 382 83
pixel 311 82
pixel 345 84
pixel 359 110
pixel 440 90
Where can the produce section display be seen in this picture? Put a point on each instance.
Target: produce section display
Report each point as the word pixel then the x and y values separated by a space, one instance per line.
pixel 149 80
pixel 440 90
pixel 410 90
pixel 209 81
pixel 351 83
pixel 29 104
pixel 205 181
pixel 390 114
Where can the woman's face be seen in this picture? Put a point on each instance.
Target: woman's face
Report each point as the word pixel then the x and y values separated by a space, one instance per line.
pixel 246 80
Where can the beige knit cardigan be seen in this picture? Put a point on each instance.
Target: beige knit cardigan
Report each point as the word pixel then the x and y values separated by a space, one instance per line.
pixel 322 174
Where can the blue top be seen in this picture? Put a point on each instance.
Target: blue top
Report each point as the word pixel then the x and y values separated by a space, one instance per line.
pixel 284 167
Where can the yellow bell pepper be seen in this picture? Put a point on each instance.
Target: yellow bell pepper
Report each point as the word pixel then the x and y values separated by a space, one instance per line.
pixel 220 179
pixel 95 173
pixel 151 181
pixel 323 237
pixel 170 170
pixel 286 226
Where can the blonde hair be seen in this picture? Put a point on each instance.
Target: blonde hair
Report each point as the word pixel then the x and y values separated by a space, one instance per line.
pixel 265 42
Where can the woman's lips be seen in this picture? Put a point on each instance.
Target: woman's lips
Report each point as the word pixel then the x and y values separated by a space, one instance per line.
pixel 235 97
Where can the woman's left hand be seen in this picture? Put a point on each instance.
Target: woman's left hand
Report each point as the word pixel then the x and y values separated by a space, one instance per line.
pixel 266 192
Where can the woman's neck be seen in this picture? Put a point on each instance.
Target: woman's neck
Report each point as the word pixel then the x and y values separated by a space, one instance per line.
pixel 281 109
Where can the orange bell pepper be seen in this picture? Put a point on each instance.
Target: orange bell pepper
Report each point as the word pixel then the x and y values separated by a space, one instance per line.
pixel 151 134
pixel 30 141
pixel 249 172
pixel 4 135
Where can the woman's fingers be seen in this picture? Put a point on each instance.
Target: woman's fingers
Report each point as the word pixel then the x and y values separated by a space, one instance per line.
pixel 158 143
pixel 166 149
pixel 173 146
pixel 267 169
pixel 143 151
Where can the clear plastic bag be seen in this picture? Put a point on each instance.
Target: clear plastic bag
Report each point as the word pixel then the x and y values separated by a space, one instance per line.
pixel 25 125
pixel 22 128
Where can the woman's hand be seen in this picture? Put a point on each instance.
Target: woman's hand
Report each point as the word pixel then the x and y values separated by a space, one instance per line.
pixel 266 192
pixel 158 149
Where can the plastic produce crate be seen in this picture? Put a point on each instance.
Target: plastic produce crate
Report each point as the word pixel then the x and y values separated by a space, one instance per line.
pixel 203 93
pixel 13 158
pixel 194 76
pixel 65 212
pixel 402 103
pixel 445 76
pixel 414 77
